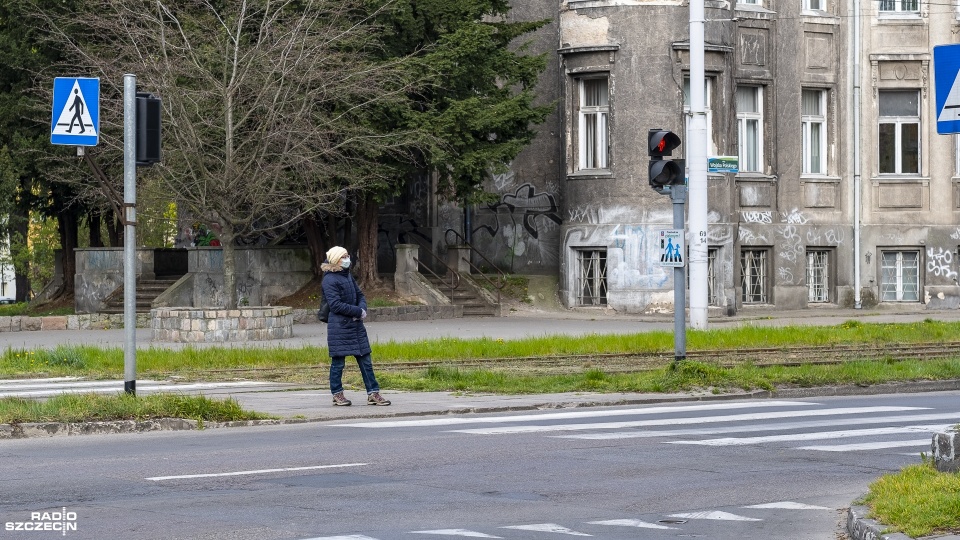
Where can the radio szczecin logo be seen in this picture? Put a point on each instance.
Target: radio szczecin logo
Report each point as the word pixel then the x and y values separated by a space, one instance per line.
pixel 61 522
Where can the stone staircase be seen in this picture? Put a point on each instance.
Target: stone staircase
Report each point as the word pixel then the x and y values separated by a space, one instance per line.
pixel 473 304
pixel 147 291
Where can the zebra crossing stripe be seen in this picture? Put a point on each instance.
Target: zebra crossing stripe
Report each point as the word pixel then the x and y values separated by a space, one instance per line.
pixel 789 505
pixel 734 441
pixel 506 430
pixel 346 537
pixel 457 532
pixel 716 515
pixel 630 523
pixel 832 422
pixel 869 446
pixel 573 414
pixel 547 527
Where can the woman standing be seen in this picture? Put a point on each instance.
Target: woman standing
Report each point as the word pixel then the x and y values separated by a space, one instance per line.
pixel 346 335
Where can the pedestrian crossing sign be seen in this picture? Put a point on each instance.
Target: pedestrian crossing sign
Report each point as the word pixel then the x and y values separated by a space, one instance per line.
pixel 946 73
pixel 76 111
pixel 671 247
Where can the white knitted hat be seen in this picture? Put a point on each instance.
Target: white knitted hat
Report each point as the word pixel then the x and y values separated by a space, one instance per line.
pixel 334 255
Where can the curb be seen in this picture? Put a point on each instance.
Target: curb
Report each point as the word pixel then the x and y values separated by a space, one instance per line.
pixel 859 527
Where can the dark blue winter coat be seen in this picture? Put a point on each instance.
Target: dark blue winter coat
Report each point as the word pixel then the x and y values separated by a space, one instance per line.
pixel 346 335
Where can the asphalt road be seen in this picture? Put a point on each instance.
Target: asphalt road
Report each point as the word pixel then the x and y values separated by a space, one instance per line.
pixel 740 469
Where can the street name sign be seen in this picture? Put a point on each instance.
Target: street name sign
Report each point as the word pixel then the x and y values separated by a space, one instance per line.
pixel 671 247
pixel 946 73
pixel 76 111
pixel 723 164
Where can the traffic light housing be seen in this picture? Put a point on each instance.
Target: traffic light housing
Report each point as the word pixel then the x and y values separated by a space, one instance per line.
pixel 664 172
pixel 148 129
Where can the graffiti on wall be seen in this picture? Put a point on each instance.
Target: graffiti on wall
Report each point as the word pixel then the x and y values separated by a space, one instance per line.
pixel 940 263
pixel 524 224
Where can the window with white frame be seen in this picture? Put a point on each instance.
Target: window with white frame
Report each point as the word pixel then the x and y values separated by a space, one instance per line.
pixel 814 5
pixel 814 122
pixel 899 133
pixel 818 275
pixel 713 280
pixel 754 276
pixel 593 121
pixel 707 94
pixel 592 277
pixel 899 6
pixel 750 127
pixel 900 276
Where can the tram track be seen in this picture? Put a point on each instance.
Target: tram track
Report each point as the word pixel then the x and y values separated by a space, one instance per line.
pixel 638 362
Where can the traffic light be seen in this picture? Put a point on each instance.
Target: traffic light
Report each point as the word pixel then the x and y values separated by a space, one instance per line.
pixel 664 172
pixel 148 129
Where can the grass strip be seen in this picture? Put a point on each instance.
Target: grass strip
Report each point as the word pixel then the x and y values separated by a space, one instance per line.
pixel 917 501
pixel 122 406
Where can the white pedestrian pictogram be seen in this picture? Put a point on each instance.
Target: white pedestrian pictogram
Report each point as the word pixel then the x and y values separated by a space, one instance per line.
pixel 74 118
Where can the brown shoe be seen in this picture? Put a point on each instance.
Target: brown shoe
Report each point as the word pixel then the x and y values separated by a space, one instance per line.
pixel 340 400
pixel 376 399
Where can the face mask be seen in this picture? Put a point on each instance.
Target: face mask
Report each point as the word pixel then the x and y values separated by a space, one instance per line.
pixel 345 263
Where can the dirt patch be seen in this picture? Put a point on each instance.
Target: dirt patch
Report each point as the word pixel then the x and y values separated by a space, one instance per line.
pixel 308 297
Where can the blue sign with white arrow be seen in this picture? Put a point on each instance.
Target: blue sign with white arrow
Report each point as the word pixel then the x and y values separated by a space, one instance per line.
pixel 946 68
pixel 76 111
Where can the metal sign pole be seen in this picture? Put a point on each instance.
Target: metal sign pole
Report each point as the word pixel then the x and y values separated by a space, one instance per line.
pixel 678 194
pixel 130 233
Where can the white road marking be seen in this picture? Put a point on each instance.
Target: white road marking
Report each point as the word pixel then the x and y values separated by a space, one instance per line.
pixel 457 532
pixel 789 505
pixel 547 527
pixel 768 427
pixel 738 441
pixel 681 421
pixel 569 415
pixel 717 515
pixel 869 446
pixel 347 537
pixel 261 471
pixel 103 387
pixel 630 523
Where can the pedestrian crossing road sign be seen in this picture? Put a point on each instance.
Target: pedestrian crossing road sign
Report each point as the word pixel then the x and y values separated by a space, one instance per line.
pixel 946 72
pixel 76 111
pixel 671 247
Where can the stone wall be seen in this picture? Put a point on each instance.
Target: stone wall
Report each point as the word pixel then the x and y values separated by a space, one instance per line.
pixel 190 325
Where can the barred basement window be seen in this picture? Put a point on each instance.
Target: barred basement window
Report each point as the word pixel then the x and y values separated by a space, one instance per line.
pixel 900 276
pixel 818 272
pixel 592 280
pixel 753 276
pixel 713 285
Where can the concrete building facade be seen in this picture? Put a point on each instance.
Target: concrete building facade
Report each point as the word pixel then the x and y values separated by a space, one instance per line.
pixel 819 214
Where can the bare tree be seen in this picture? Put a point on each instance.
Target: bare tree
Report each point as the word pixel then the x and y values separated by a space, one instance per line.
pixel 265 102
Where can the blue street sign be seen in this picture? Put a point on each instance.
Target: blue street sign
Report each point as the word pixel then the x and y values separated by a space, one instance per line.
pixel 76 111
pixel 946 67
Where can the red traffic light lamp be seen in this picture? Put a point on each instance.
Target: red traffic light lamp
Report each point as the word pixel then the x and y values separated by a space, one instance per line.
pixel 664 172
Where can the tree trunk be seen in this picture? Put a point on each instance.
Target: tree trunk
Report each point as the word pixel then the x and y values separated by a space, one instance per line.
pixel 315 242
pixel 368 213
pixel 227 238
pixel 20 228
pixel 67 224
pixel 94 219
pixel 114 227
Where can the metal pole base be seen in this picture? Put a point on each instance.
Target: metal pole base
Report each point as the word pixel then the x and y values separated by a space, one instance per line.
pixel 130 387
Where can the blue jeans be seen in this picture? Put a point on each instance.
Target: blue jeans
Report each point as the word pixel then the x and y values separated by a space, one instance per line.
pixel 337 364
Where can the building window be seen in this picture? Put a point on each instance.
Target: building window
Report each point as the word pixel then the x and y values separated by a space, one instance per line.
pixel 750 127
pixel 592 279
pixel 818 276
pixel 899 139
pixel 707 97
pixel 814 5
pixel 753 276
pixel 814 121
pixel 713 281
pixel 900 276
pixel 593 122
pixel 899 6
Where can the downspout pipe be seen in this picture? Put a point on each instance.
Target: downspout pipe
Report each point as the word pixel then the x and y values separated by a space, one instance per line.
pixel 857 189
